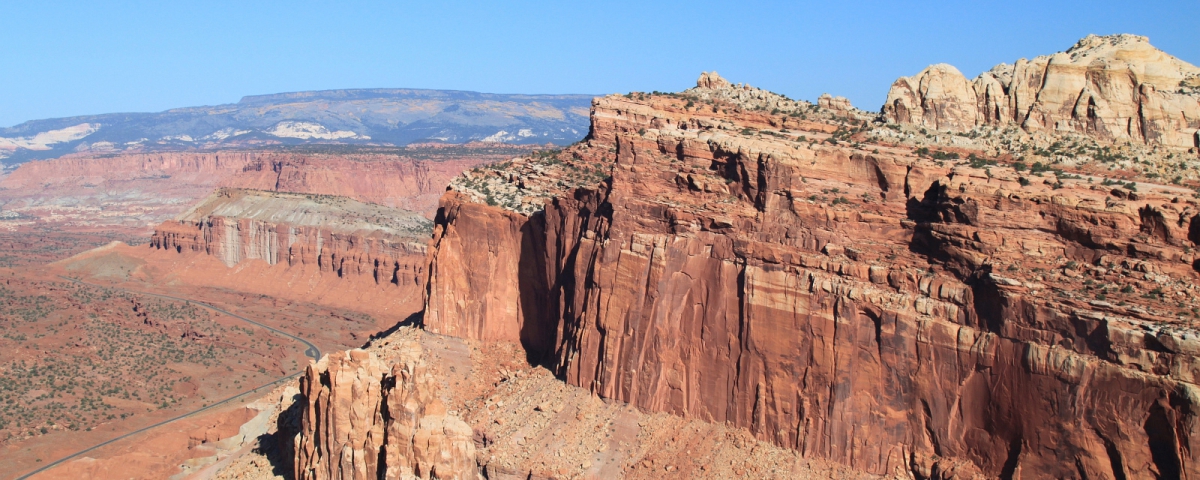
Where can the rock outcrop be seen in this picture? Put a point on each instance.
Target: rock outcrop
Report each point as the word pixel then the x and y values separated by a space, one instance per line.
pixel 364 418
pixel 837 104
pixel 206 169
pixel 855 302
pixel 712 87
pixel 1113 88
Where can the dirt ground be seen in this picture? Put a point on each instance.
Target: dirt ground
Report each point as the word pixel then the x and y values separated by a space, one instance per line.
pixel 82 363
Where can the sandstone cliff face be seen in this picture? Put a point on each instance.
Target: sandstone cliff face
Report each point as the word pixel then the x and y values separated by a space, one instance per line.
pixel 857 304
pixel 386 260
pixel 364 418
pixel 142 190
pixel 479 256
pixel 205 168
pixel 394 182
pixel 338 236
pixel 1113 88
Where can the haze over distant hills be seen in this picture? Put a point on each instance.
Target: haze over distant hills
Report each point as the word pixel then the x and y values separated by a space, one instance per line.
pixel 357 116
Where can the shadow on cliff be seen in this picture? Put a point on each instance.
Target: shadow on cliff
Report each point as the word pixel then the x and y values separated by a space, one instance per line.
pixel 937 206
pixel 279 447
pixel 934 207
pixel 538 324
pixel 416 319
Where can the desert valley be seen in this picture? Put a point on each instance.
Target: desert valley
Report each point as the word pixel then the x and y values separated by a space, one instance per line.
pixel 993 277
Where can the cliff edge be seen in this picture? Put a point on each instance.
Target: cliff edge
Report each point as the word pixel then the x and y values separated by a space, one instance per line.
pixel 720 255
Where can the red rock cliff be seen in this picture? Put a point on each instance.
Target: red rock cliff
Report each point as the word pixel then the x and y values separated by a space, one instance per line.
pixel 145 189
pixel 859 304
pixel 394 182
pixel 337 235
pixel 205 168
pixel 365 418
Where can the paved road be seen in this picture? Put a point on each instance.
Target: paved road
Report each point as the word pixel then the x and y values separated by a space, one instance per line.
pixel 311 351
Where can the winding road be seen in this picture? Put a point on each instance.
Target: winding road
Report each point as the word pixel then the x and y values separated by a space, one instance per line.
pixel 310 351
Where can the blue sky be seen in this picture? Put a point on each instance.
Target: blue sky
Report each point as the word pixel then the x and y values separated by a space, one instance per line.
pixel 73 58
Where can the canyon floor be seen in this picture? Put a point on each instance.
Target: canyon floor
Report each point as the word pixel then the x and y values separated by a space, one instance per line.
pixel 89 361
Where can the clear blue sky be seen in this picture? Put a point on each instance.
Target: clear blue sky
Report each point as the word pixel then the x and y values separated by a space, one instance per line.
pixel 72 58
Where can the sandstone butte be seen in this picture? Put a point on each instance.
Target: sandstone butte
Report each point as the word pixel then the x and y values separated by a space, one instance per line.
pixel 730 255
pixel 1116 88
pixel 748 259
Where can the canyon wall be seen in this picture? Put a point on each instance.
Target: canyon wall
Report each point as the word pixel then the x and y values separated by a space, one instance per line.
pixel 142 190
pixel 852 301
pixel 1114 88
pixel 366 418
pixel 336 235
pixel 383 259
pixel 206 169
pixel 386 179
pixel 480 257
pixel 395 182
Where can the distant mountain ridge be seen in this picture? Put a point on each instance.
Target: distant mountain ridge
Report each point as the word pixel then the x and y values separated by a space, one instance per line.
pixel 382 116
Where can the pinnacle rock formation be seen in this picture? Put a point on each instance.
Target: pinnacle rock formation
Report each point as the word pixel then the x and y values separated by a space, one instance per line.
pixel 1114 88
pixel 363 420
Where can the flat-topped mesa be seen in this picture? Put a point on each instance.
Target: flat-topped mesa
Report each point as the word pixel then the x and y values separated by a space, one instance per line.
pixel 850 299
pixel 1113 88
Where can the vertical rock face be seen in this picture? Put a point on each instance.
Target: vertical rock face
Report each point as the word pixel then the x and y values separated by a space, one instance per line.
pixel 383 258
pixel 390 181
pixel 479 258
pixel 204 170
pixel 364 420
pixel 1113 88
pixel 139 190
pixel 337 235
pixel 865 306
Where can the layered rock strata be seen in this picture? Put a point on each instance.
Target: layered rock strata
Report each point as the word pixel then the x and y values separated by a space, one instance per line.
pixel 207 169
pixel 142 190
pixel 1115 88
pixel 337 235
pixel 367 419
pixel 854 302
pixel 386 180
